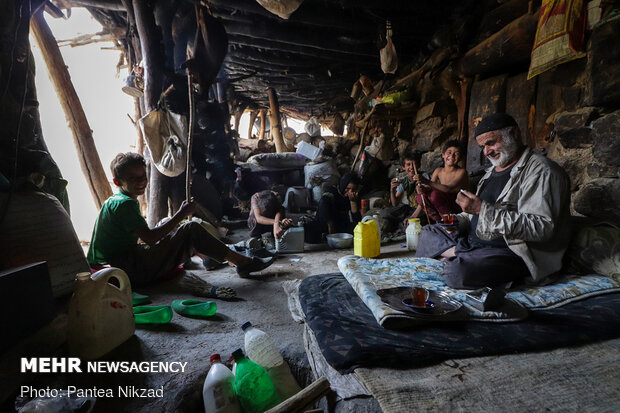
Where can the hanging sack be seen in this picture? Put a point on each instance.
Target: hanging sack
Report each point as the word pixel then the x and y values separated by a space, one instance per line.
pixel 312 127
pixel 165 134
pixel 387 55
pixel 281 8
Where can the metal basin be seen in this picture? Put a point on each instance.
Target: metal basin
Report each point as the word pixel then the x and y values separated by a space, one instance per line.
pixel 340 240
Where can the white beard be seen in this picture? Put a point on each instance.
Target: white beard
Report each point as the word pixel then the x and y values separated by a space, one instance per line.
pixel 507 154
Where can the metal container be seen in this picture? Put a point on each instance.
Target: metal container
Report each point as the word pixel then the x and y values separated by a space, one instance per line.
pixel 340 240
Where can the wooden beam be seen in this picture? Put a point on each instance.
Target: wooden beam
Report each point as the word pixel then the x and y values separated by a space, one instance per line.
pixel 253 115
pixel 504 51
pixel 294 37
pixel 159 185
pixel 276 126
pixel 263 123
pixel 113 5
pixel 339 56
pixel 88 157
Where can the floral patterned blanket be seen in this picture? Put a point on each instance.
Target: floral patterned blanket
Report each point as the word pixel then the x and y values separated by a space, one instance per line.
pixel 366 276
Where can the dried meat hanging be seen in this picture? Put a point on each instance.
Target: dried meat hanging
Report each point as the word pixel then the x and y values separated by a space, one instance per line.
pixel 387 55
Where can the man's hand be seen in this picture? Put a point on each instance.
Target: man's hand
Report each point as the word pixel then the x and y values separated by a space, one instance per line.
pixel 394 185
pixel 286 222
pixel 280 226
pixel 469 202
pixel 187 208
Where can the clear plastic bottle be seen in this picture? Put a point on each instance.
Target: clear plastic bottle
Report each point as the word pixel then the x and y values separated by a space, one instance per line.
pixel 253 386
pixel 261 350
pixel 217 392
pixel 413 233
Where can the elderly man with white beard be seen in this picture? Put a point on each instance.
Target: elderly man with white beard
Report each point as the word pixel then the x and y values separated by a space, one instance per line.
pixel 515 229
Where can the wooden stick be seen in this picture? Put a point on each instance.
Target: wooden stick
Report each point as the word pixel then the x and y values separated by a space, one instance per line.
pixel 415 170
pixel 88 157
pixel 306 396
pixel 188 167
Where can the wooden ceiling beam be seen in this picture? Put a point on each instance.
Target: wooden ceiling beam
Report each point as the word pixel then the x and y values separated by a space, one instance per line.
pixel 313 40
pixel 274 45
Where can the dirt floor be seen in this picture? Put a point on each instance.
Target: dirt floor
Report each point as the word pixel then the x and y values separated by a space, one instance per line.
pixel 192 340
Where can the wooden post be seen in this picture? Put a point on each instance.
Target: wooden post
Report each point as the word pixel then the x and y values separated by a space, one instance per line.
pixel 263 123
pixel 310 395
pixel 276 127
pixel 237 117
pixel 253 115
pixel 82 134
pixel 159 185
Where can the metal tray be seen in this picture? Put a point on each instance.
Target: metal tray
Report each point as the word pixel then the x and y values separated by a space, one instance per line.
pixel 445 307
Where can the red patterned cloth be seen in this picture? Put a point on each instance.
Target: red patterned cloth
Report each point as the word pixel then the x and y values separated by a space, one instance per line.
pixel 560 35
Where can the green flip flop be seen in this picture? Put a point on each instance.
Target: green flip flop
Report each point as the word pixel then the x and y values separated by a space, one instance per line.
pixel 195 307
pixel 152 314
pixel 138 299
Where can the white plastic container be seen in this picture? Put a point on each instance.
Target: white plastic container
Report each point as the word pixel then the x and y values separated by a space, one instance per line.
pixel 413 233
pixel 217 392
pixel 292 241
pixel 100 314
pixel 308 150
pixel 261 350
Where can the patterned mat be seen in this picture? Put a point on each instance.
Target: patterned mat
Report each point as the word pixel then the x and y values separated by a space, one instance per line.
pixel 366 276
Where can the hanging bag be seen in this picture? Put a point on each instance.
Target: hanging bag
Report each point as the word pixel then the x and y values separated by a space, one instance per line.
pixel 165 134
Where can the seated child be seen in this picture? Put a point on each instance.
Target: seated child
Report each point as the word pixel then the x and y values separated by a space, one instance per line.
pixel 267 215
pixel 402 194
pixel 337 211
pixel 120 225
pixel 441 189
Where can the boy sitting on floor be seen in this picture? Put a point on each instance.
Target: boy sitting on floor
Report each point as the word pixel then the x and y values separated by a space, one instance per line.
pixel 120 224
pixel 440 191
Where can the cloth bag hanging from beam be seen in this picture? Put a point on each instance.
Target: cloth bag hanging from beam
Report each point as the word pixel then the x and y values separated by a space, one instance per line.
pixel 281 8
pixel 165 134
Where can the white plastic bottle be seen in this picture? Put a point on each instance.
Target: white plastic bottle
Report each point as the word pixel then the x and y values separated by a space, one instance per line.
pixel 217 392
pixel 261 350
pixel 413 233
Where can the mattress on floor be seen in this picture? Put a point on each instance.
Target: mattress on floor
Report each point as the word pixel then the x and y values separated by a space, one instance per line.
pixel 349 336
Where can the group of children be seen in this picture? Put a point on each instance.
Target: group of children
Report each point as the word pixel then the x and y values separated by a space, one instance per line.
pixel 120 224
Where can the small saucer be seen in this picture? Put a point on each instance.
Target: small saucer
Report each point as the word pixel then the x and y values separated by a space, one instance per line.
pixel 447 225
pixel 426 309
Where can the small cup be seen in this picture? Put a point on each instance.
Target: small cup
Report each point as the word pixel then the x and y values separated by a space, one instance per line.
pixel 419 296
pixel 447 219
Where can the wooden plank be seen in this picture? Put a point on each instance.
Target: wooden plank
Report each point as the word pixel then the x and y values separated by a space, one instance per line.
pixel 487 97
pixel 503 51
pixel 520 103
pixel 90 163
pixel 305 397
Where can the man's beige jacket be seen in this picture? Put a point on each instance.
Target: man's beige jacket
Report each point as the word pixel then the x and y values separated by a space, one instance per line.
pixel 532 213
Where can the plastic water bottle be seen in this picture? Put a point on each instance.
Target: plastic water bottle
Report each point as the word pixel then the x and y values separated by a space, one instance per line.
pixel 261 350
pixel 217 392
pixel 253 386
pixel 413 233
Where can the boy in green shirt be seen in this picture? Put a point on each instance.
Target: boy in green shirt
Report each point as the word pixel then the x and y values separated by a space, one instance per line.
pixel 120 225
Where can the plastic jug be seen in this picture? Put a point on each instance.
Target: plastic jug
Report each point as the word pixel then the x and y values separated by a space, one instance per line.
pixel 100 314
pixel 253 386
pixel 413 233
pixel 366 241
pixel 261 350
pixel 291 241
pixel 376 219
pixel 218 393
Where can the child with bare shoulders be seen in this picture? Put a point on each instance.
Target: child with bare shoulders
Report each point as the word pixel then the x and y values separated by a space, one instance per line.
pixel 441 190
